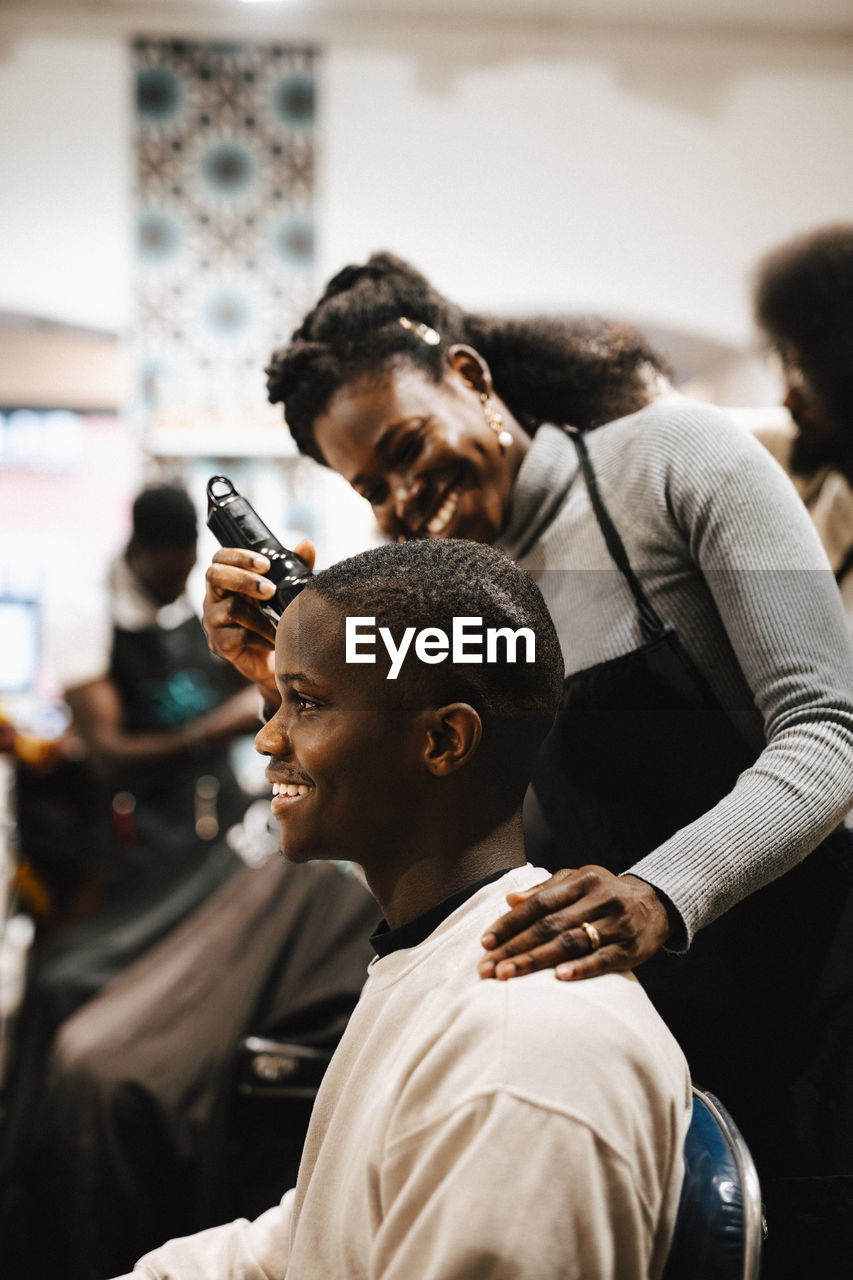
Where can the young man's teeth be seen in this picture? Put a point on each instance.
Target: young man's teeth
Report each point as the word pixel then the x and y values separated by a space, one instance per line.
pixel 445 512
pixel 290 789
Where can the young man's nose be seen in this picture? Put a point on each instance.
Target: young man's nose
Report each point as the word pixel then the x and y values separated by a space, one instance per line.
pixel 271 739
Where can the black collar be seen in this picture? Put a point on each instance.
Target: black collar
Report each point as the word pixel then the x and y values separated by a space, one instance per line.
pixel 386 940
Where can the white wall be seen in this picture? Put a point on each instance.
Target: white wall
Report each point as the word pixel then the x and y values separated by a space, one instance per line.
pixel 574 184
pixel 643 179
pixel 65 208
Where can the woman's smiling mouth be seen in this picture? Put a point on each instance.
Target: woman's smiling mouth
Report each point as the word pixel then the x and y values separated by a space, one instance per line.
pixel 441 521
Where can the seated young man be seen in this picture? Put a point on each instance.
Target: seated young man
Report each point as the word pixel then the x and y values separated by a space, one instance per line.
pixel 464 1128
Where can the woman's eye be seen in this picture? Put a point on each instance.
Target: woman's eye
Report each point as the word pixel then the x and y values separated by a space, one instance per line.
pixel 377 495
pixel 410 447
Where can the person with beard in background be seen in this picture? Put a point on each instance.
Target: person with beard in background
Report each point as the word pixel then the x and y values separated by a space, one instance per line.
pixel 804 304
pixel 803 296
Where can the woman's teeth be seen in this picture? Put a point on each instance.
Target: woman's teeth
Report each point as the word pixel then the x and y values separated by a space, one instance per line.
pixel 290 789
pixel 445 513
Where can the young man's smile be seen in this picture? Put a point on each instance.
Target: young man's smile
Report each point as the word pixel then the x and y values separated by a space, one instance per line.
pixel 285 793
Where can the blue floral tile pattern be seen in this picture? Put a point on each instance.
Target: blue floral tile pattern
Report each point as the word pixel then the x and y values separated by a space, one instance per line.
pixel 225 224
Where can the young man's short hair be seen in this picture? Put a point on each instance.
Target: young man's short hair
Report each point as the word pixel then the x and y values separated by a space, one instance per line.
pixel 428 583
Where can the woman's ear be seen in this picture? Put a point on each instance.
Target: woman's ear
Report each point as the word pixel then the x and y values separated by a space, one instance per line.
pixel 452 738
pixel 471 367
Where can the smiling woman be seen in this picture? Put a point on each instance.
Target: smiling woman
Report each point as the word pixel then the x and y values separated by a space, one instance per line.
pixel 426 456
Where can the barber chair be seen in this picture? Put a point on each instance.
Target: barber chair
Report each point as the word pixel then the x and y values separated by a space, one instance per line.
pixel 719 1229
pixel 270 1069
pixel 256 1160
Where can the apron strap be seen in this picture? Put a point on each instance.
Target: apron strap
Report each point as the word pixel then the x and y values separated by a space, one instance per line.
pixel 846 565
pixel 651 624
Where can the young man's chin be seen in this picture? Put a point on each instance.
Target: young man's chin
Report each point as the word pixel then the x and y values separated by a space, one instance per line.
pixel 293 853
pixel 298 851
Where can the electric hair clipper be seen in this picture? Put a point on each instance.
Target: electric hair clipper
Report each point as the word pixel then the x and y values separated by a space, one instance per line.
pixel 235 523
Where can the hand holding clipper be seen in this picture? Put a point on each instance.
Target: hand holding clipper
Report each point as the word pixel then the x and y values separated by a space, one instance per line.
pixel 235 523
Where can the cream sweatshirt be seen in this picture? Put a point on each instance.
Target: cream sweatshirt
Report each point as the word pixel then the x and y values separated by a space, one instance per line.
pixel 468 1130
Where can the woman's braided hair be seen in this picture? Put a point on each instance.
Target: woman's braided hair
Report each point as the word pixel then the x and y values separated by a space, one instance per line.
pixel 583 372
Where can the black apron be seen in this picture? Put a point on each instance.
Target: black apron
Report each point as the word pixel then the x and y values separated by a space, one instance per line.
pixel 161 861
pixel 639 749
pixel 160 867
pixel 167 678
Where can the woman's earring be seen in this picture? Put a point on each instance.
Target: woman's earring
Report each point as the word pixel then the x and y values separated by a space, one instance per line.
pixel 496 423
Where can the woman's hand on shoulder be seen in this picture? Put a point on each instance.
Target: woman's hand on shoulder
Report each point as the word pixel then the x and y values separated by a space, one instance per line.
pixel 236 629
pixel 581 923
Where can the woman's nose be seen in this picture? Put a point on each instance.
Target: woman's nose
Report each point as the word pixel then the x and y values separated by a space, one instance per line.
pixel 405 492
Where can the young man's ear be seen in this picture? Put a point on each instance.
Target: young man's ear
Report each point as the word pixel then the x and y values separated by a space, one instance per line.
pixel 470 366
pixel 453 736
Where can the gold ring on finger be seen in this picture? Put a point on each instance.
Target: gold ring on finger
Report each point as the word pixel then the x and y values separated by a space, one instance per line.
pixel 592 934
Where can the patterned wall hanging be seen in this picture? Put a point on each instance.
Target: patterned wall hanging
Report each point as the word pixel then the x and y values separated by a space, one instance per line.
pixel 225 192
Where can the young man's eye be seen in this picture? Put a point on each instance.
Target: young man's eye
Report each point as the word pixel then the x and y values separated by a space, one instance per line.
pixel 301 703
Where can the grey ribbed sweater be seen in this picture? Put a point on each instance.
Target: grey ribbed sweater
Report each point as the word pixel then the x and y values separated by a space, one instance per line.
pixel 729 558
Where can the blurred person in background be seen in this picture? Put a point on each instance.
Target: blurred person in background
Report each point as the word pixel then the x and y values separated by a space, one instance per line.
pixel 693 785
pixel 804 305
pixel 129 1129
pixel 126 839
pixel 803 296
pixel 157 714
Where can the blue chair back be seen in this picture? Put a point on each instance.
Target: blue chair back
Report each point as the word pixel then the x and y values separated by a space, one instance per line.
pixel 719 1228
